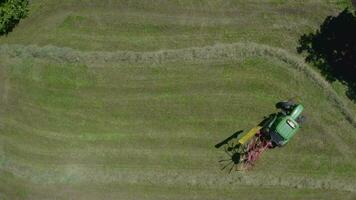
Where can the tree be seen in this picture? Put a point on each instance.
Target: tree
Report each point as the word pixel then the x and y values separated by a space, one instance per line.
pixel 11 12
pixel 332 48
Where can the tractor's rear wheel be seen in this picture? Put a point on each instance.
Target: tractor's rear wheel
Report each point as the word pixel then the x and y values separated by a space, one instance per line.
pixel 285 105
pixel 301 120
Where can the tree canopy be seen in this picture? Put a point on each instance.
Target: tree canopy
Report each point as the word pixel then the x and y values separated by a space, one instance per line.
pixel 11 12
pixel 332 48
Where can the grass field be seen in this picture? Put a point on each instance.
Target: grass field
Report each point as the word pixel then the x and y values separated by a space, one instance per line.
pixel 126 100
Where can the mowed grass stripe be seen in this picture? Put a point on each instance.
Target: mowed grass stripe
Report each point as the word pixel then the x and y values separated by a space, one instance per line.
pixel 227 51
pixel 176 159
pixel 151 139
pixel 126 158
pixel 175 120
pixel 114 25
pixel 81 174
pixel 136 103
pixel 145 100
pixel 129 191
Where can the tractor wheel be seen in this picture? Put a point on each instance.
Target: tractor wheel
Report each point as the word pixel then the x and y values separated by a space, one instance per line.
pixel 285 105
pixel 301 120
pixel 266 121
pixel 274 145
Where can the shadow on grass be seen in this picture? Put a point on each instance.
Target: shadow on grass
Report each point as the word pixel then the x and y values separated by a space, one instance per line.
pixel 332 49
pixel 234 150
pixel 230 148
pixel 228 139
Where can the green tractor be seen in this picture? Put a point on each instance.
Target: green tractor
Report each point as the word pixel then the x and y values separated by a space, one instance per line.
pixel 280 127
pixel 275 131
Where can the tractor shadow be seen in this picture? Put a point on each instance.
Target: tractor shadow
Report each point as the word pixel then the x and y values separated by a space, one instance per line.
pixel 228 139
pixel 232 148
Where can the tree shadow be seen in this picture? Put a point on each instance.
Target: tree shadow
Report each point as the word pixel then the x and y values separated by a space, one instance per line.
pixel 332 49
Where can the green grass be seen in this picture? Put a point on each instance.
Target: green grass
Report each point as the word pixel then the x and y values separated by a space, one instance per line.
pixel 95 124
pixel 152 25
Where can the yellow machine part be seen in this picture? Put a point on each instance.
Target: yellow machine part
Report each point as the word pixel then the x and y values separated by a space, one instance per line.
pixel 249 135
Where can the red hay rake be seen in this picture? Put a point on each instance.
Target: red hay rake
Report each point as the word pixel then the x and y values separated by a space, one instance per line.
pixel 243 156
pixel 255 148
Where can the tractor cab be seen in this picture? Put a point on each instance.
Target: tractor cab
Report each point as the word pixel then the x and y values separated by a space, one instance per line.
pixel 282 126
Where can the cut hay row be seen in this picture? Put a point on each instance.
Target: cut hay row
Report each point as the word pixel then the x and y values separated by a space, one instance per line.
pixel 236 51
pixel 80 174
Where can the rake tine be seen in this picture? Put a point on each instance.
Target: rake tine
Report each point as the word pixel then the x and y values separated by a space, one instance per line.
pixel 226 165
pixel 236 168
pixel 224 160
pixel 232 167
pixel 228 153
pixel 235 149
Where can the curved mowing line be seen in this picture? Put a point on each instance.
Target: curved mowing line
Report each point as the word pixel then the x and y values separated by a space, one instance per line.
pixel 233 51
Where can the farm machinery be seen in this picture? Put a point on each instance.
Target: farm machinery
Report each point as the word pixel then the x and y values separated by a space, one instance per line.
pixel 276 130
